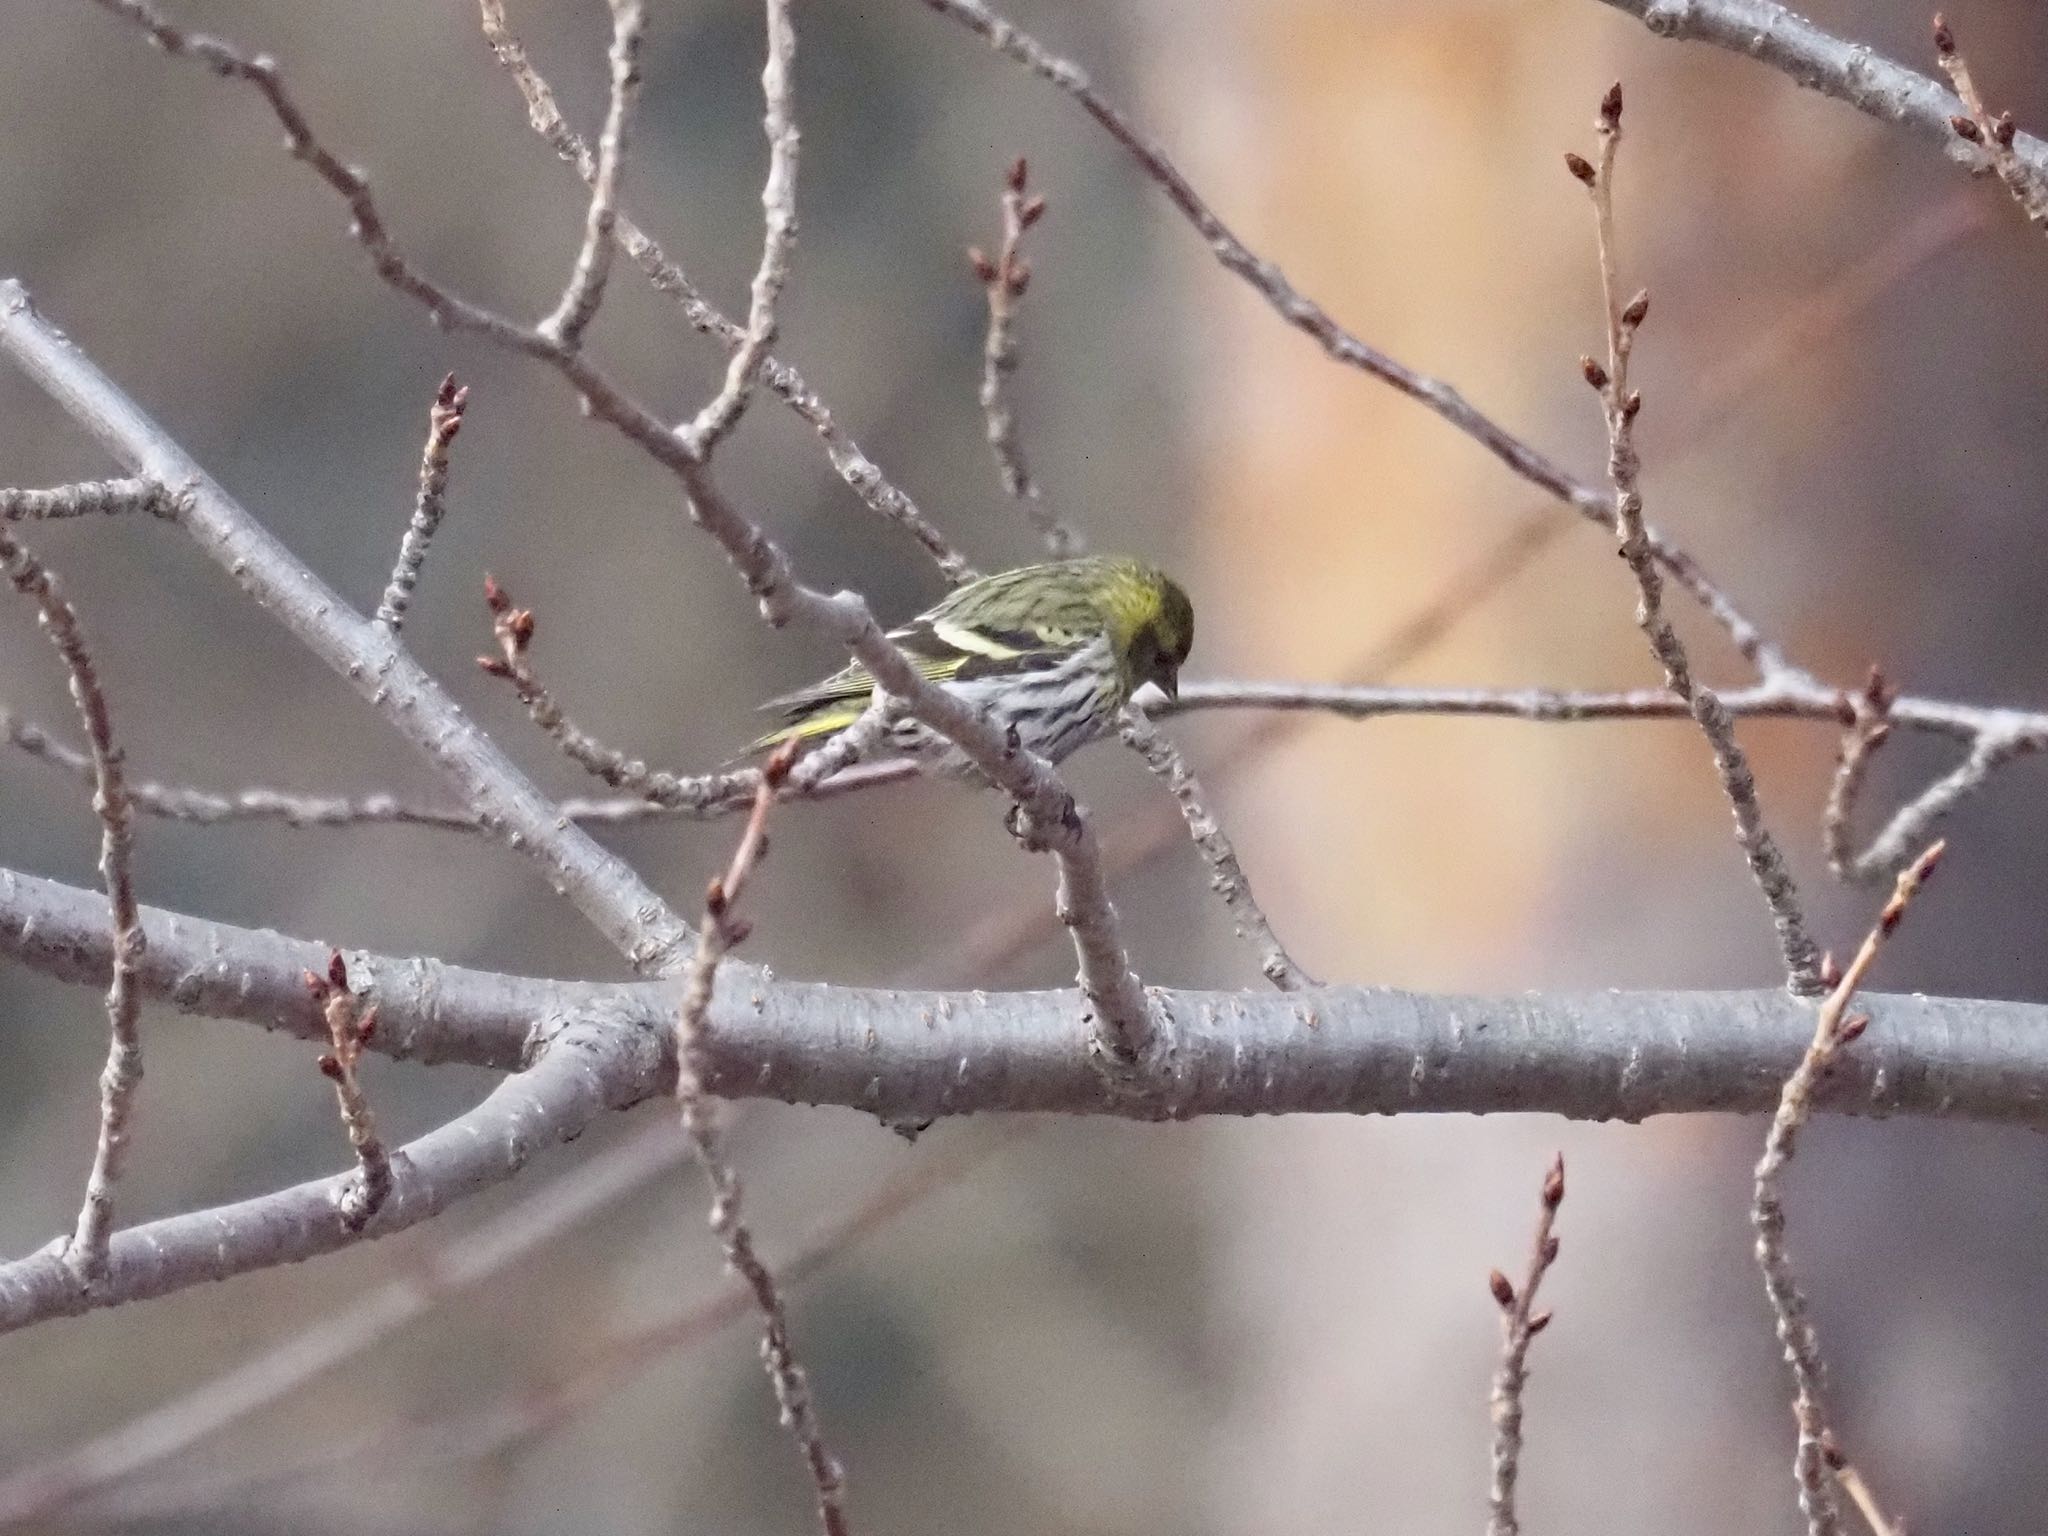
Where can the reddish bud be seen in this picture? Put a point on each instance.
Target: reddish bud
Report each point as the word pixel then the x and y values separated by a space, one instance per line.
pixel 2003 130
pixel 1553 1183
pixel 494 666
pixel 1638 307
pixel 1830 971
pixel 1610 106
pixel 1032 211
pixel 316 984
pixel 337 970
pixel 1019 174
pixel 1018 278
pixel 1539 1322
pixel 329 1067
pixel 1944 39
pixel 1580 167
pixel 714 896
pixel 1966 128
pixel 1595 374
pixel 1631 405
pixel 1550 1247
pixel 1852 1028
pixel 367 1026
pixel 984 269
pixel 737 929
pixel 1503 1289
pixel 494 595
pixel 520 627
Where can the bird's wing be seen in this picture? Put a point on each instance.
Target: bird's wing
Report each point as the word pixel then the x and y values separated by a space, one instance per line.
pixel 943 651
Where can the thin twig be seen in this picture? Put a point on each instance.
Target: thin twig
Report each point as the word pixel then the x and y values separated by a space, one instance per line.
pixel 183 802
pixel 350 1027
pixel 1620 405
pixel 721 930
pixel 1595 503
pixel 1226 874
pixel 444 420
pixel 848 458
pixel 778 239
pixel 1046 816
pixel 1856 1486
pixel 122 1077
pixel 86 498
pixel 1833 1029
pixel 1004 280
pixel 1993 133
pixel 1520 1323
pixel 580 300
pixel 514 628
pixel 1866 726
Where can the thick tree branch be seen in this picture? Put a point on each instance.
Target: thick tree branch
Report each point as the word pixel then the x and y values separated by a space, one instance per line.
pixel 920 1054
pixel 427 1011
pixel 589 1064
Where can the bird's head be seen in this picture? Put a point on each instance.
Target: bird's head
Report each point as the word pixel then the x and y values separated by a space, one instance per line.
pixel 1156 628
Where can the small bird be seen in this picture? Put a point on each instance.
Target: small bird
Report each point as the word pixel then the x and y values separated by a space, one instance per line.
pixel 1052 652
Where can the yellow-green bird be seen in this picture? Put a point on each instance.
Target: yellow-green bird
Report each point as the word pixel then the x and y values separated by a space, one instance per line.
pixel 1051 651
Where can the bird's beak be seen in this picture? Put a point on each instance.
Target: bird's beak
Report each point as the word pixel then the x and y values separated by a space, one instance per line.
pixel 1169 684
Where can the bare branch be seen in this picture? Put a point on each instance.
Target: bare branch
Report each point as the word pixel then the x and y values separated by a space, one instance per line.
pixel 350 1027
pixel 514 628
pixel 579 302
pixel 1833 1029
pixel 444 420
pixel 919 1055
pixel 183 802
pixel 1620 405
pixel 86 1256
pixel 1820 61
pixel 1520 1323
pixel 852 464
pixel 529 1412
pixel 1004 281
pixel 778 207
pixel 602 886
pixel 85 498
pixel 1305 315
pixel 720 931
pixel 1047 818
pixel 922 1054
pixel 585 1066
pixel 272 1375
pixel 1993 133
pixel 1226 875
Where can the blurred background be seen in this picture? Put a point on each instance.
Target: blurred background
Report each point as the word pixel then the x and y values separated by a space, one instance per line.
pixel 1101 1328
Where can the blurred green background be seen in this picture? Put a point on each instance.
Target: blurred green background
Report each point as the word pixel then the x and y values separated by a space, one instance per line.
pixel 1275 1326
